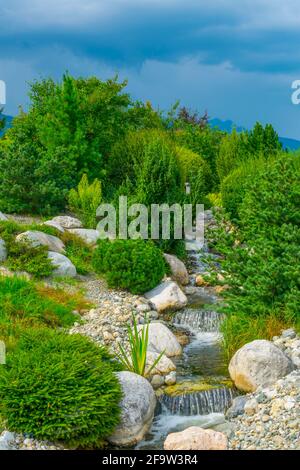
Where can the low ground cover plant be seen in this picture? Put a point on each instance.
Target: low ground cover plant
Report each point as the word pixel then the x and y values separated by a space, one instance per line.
pixel 60 387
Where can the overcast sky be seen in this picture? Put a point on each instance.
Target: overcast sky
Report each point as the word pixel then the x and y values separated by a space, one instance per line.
pixel 235 58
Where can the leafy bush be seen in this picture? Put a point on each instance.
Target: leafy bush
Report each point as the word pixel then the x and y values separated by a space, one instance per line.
pixel 60 387
pixel 78 252
pixel 33 260
pixel 85 200
pixel 159 179
pixel 135 265
pixel 21 300
pixel 204 142
pixel 262 255
pixel 234 186
pixel 196 171
pixel 231 154
pixel 143 166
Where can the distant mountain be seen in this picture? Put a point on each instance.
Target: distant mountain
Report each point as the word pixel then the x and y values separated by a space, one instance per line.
pixel 228 126
pixel 8 122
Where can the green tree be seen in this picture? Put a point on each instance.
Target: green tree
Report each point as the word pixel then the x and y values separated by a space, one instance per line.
pixel 263 140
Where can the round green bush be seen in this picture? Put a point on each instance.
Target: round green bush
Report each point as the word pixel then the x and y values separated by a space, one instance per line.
pixel 135 265
pixel 60 387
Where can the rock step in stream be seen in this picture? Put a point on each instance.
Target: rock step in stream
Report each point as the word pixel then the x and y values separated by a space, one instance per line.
pixel 199 398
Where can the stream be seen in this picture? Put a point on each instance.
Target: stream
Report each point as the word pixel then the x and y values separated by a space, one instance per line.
pixel 203 390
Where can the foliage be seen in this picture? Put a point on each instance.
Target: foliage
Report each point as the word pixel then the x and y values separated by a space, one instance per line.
pixel 60 387
pixel 69 127
pixel 33 260
pixel 231 154
pixel 21 255
pixel 262 254
pixel 234 186
pixel 21 300
pixel 78 252
pixel 135 265
pixel 195 171
pixel 214 199
pixel 85 200
pixel 240 328
pixel 263 141
pixel 138 344
pixel 204 142
pixel 130 163
pixel 159 179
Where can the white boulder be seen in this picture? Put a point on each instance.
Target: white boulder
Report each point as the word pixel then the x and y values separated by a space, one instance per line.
pixel 3 250
pixel 196 438
pixel 67 222
pixel 167 296
pixel 63 266
pixel 161 339
pixel 52 223
pixel 3 217
pixel 89 236
pixel 36 238
pixel 259 363
pixel 137 409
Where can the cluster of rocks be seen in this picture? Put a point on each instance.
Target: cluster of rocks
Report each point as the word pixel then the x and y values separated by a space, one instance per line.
pixel 107 323
pixel 13 441
pixel 63 267
pixel 269 417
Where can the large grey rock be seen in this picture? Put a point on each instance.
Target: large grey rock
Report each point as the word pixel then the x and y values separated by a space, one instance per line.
pixel 259 363
pixel 164 365
pixel 63 266
pixel 178 269
pixel 237 407
pixel 52 223
pixel 196 438
pixel 65 221
pixel 3 250
pixel 7 439
pixel 167 296
pixel 137 409
pixel 36 238
pixel 161 339
pixel 89 236
pixel 3 217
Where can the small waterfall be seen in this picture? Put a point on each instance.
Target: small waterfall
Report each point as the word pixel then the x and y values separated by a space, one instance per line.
pixel 199 320
pixel 216 400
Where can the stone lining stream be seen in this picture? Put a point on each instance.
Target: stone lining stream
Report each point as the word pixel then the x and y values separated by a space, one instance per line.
pixel 203 391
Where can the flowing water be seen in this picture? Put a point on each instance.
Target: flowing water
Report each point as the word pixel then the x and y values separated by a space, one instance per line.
pixel 203 391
